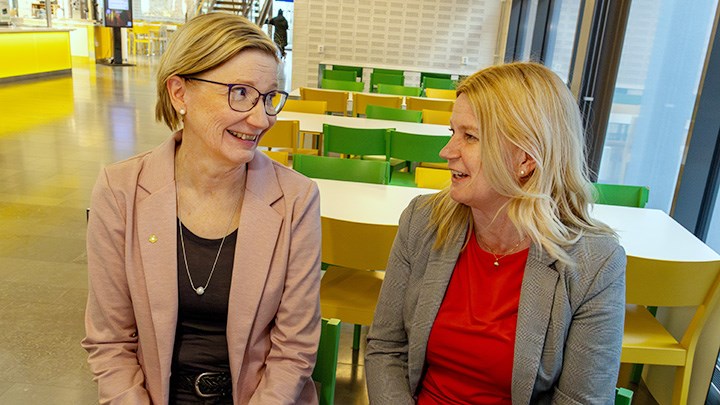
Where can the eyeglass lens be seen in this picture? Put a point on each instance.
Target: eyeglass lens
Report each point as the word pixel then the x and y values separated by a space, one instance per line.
pixel 243 98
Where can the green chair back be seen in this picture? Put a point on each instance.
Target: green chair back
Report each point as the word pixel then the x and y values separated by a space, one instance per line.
pixel 327 358
pixel 395 114
pixel 438 83
pixel 399 90
pixel 378 78
pixel 357 69
pixel 345 85
pixel 345 75
pixel 623 396
pixel 332 168
pixel 423 75
pixel 413 148
pixel 355 141
pixel 622 195
pixel 389 71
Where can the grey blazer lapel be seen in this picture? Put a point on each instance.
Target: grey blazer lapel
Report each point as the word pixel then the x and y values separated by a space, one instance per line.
pixel 536 297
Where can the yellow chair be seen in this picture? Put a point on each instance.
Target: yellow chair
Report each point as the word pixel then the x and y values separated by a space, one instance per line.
pixel 667 284
pixel 426 177
pixel 283 137
pixel 440 93
pixel 281 157
pixel 306 106
pixel 141 35
pixel 356 253
pixel 336 100
pixel 362 100
pixel 436 117
pixel 419 104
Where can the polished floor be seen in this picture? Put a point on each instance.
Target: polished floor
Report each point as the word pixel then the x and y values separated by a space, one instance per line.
pixel 55 135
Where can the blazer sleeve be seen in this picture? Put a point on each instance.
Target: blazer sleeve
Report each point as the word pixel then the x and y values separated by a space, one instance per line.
pixel 594 341
pixel 111 334
pixel 386 355
pixel 287 378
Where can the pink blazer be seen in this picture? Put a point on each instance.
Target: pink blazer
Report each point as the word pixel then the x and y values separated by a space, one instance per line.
pixel 273 324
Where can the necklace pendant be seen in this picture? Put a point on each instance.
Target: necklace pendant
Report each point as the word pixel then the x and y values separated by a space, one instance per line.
pixel 200 290
pixel 495 263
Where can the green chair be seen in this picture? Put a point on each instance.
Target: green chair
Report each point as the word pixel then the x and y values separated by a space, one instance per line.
pixel 378 78
pixel 623 396
pixel 327 358
pixel 354 141
pixel 389 71
pixel 413 148
pixel 438 83
pixel 394 114
pixel 331 168
pixel 345 75
pixel 329 84
pixel 399 90
pixel 357 69
pixel 423 75
pixel 622 195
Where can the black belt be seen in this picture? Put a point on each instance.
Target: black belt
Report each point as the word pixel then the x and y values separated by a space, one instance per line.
pixel 209 384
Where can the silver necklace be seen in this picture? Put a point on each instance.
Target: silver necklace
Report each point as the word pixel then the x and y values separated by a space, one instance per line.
pixel 201 290
pixel 496 263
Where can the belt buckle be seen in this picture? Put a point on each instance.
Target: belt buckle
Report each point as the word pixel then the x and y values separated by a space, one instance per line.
pixel 197 384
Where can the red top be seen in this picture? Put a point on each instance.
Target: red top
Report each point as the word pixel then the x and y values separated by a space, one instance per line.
pixel 469 355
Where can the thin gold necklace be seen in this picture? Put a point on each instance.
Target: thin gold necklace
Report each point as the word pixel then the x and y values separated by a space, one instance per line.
pixel 485 247
pixel 201 289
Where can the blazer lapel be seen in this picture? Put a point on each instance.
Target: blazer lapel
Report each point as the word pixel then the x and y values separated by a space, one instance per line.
pixel 536 297
pixel 259 230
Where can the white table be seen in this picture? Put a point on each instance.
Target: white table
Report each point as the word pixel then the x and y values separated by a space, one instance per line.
pixel 314 123
pixel 644 232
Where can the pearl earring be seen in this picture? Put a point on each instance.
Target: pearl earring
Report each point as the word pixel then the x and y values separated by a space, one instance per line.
pixel 522 173
pixel 182 111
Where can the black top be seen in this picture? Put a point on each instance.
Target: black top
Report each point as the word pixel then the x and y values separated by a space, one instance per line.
pixel 200 341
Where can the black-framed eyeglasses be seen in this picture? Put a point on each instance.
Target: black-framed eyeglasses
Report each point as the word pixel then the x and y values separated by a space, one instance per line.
pixel 244 97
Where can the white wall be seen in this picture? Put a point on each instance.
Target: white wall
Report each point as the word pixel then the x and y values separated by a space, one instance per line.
pixel 428 33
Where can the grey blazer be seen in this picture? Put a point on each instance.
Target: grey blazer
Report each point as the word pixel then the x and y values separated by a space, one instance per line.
pixel 569 328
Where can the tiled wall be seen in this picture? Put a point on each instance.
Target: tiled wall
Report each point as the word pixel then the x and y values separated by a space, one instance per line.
pixel 429 33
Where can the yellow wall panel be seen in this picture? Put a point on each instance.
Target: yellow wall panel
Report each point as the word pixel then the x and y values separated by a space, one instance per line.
pixel 34 52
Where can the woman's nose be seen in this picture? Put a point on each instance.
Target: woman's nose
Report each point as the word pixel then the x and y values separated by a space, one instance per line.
pixel 449 151
pixel 257 116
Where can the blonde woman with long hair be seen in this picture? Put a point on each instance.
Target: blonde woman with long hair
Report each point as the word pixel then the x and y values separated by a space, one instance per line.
pixel 502 289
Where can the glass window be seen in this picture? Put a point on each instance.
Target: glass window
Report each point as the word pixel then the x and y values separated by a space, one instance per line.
pixel 660 68
pixel 561 36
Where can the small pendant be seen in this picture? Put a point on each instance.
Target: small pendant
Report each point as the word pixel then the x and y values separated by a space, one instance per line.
pixel 200 290
pixel 495 263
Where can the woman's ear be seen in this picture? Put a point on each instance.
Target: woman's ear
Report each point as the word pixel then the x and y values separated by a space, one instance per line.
pixel 526 166
pixel 176 90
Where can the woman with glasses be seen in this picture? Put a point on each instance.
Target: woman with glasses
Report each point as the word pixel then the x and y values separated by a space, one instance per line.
pixel 203 255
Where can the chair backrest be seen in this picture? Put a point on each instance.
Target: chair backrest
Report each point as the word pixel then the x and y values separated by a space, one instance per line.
pixel 361 101
pixel 141 31
pixel 283 134
pixel 355 141
pixel 378 78
pixel 399 90
pixel 345 75
pixel 440 93
pixel 426 177
pixel 364 246
pixel 332 168
pixel 389 71
pixel 395 114
pixel 423 75
pixel 415 147
pixel 438 83
pixel 281 157
pixel 336 100
pixel 342 85
pixel 421 103
pixel 357 69
pixel 623 396
pixel 306 106
pixel 325 371
pixel 436 117
pixel 620 194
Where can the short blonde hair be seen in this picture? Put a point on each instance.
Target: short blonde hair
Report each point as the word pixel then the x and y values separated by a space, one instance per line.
pixel 204 43
pixel 527 105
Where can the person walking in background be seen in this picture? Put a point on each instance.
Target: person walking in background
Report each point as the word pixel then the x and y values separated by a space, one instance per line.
pixel 502 289
pixel 203 254
pixel 281 28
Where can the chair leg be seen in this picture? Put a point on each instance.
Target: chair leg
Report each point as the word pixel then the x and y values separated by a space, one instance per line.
pixel 356 337
pixel 682 385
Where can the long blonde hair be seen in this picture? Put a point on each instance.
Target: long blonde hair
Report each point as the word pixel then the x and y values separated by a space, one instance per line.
pixel 204 43
pixel 525 104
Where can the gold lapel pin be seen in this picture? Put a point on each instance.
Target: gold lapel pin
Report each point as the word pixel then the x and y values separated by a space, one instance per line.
pixel 153 238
